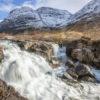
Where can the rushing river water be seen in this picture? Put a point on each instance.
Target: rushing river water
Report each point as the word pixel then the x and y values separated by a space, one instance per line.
pixel 32 76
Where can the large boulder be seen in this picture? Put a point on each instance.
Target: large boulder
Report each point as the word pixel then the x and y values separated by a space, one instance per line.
pixel 97 63
pixel 85 51
pixel 96 47
pixel 84 55
pixel 40 47
pixel 72 72
pixel 76 54
pixel 70 63
pixel 80 71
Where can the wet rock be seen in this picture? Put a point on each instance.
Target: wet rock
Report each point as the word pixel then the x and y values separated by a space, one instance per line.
pixel 67 76
pixel 70 63
pixel 1 53
pixel 87 78
pixel 84 73
pixel 39 47
pixel 86 53
pixel 55 62
pixel 96 50
pixel 9 93
pixel 21 44
pixel 88 56
pixel 83 55
pixel 76 54
pixel 84 50
pixel 43 48
pixel 97 63
pixel 72 72
pixel 82 70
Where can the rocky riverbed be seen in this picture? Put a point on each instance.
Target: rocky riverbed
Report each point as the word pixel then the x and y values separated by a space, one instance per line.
pixel 76 61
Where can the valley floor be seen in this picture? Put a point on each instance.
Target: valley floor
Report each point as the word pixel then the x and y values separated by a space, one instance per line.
pixel 51 36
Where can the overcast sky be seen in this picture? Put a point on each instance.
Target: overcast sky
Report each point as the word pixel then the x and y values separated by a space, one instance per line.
pixel 71 5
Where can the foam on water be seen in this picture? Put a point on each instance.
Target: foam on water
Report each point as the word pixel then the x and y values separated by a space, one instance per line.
pixel 28 73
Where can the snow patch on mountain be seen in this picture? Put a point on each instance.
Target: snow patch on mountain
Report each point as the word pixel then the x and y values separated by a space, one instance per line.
pixel 53 17
pixel 92 8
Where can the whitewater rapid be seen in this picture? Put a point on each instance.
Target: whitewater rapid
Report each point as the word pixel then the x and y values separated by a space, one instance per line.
pixel 31 75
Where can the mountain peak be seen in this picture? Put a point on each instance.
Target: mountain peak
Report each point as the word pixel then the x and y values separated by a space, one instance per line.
pixel 92 6
pixel 87 20
pixel 50 10
pixel 21 9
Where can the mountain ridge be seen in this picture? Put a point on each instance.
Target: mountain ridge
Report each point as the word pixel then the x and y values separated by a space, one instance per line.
pixel 25 17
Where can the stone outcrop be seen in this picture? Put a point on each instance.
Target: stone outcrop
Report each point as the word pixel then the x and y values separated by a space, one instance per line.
pixel 83 54
pixel 85 51
pixel 80 72
pixel 39 47
pixel 43 48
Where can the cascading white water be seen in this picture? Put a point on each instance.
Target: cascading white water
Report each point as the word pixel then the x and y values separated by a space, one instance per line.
pixel 28 73
pixel 60 54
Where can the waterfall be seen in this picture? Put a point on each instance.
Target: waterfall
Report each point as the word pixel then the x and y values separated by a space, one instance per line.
pixel 60 52
pixel 31 75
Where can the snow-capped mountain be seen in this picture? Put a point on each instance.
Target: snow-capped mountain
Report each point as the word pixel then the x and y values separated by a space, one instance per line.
pixel 27 18
pixel 20 19
pixel 53 17
pixel 45 17
pixel 87 20
pixel 91 9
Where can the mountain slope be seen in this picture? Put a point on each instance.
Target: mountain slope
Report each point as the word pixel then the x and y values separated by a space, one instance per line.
pixel 91 9
pixel 21 18
pixel 54 17
pixel 26 18
pixel 87 20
